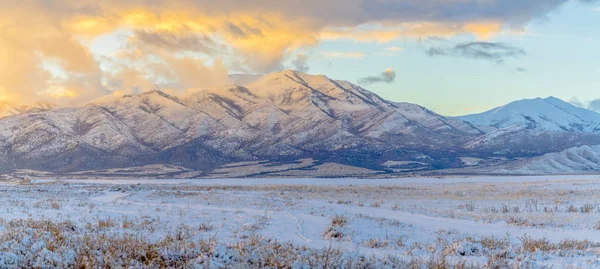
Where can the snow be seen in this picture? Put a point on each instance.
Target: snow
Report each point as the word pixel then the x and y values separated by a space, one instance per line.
pixel 287 115
pixel 283 114
pixel 549 114
pixel 493 135
pixel 402 163
pixel 332 181
pixel 408 217
pixel 431 120
pixel 289 89
pixel 585 159
pixel 469 161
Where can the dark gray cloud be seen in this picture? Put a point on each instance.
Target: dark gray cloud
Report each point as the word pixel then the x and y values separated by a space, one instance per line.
pixel 355 12
pixel 166 40
pixel 321 13
pixel 490 51
pixel 235 30
pixel 243 30
pixel 388 76
pixel 301 63
pixel 512 12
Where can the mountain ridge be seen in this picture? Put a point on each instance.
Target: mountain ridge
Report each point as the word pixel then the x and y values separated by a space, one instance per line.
pixel 279 117
pixel 282 116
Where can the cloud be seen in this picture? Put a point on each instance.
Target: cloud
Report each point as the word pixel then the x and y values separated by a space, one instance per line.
pixel 189 42
pixel 45 46
pixel 301 63
pixel 339 54
pixel 390 51
pixel 521 70
pixel 394 48
pixel 593 105
pixel 416 29
pixel 190 73
pixel 361 35
pixel 388 76
pixel 576 102
pixel 243 30
pixel 129 81
pixel 44 62
pixel 490 51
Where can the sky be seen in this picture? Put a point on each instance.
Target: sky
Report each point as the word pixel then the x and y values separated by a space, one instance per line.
pixel 454 57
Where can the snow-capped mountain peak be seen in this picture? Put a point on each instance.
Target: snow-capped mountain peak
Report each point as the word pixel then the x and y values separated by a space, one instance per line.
pixel 540 114
pixel 287 82
pixel 315 96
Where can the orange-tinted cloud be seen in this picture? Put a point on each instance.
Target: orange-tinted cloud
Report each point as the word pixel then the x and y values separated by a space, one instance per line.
pixel 195 43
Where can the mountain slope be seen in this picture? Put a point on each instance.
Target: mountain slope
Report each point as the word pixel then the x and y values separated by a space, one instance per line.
pixel 549 114
pixel 318 97
pixel 533 127
pixel 281 116
pixel 585 159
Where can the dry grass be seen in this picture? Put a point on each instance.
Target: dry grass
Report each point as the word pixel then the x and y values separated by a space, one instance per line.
pixel 339 220
pixel 206 227
pixel 375 243
pixel 529 244
pixel 587 208
pixel 335 229
pixel 55 205
pixel 470 207
pixel 46 244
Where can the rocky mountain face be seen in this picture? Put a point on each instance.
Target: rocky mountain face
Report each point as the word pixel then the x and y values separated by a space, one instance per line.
pixel 281 117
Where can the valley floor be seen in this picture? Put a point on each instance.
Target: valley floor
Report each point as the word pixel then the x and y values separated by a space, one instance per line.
pixel 468 222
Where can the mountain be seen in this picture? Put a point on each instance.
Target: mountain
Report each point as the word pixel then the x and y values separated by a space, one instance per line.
pixel 279 117
pixel 549 114
pixel 280 120
pixel 10 109
pixel 533 127
pixel 585 159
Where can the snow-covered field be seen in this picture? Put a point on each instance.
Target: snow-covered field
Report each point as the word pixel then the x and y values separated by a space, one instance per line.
pixel 490 222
